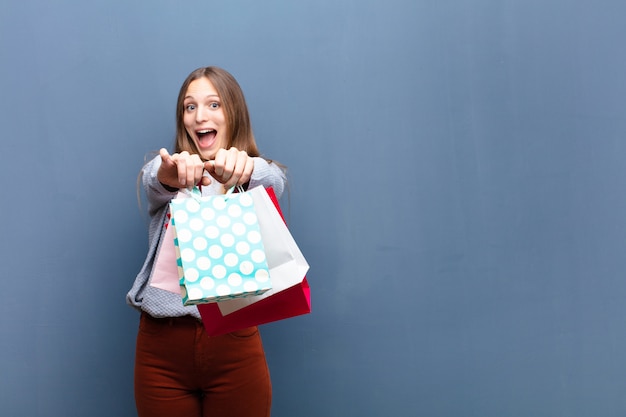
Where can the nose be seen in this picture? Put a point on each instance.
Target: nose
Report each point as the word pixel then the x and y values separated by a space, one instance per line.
pixel 202 114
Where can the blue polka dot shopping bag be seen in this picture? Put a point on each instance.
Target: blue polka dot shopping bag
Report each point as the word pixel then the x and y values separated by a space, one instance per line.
pixel 219 249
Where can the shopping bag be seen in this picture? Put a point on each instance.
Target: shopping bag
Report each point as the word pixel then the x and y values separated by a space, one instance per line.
pixel 219 250
pixel 274 305
pixel 287 265
pixel 165 268
pixel 292 302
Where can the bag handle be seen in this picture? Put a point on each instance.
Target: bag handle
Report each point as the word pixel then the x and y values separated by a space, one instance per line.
pixel 240 189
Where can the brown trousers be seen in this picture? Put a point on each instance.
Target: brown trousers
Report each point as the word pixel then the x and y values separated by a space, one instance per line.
pixel 181 371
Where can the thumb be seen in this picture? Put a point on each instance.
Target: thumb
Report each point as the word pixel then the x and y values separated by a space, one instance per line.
pixel 167 170
pixel 209 166
pixel 165 156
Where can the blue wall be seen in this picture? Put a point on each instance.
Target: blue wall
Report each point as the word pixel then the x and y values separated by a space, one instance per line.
pixel 457 185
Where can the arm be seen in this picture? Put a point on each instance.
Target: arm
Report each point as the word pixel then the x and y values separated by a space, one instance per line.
pixel 268 174
pixel 156 193
pixel 164 174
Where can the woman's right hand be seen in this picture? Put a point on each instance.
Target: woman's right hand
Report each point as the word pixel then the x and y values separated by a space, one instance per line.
pixel 181 170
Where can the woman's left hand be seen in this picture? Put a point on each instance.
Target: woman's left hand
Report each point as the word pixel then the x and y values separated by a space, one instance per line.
pixel 231 167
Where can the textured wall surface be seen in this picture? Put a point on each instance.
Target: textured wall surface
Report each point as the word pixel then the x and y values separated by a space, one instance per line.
pixel 456 183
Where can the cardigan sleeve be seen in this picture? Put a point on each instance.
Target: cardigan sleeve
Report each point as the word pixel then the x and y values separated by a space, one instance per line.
pixel 156 193
pixel 268 174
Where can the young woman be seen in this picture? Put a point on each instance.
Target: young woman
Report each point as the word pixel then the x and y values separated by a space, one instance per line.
pixel 179 369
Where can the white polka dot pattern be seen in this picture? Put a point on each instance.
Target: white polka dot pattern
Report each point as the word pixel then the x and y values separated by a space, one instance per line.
pixel 219 248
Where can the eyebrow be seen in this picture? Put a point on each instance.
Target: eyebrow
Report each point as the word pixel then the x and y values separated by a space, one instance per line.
pixel 210 95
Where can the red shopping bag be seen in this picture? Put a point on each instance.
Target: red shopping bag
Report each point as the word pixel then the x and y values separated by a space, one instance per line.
pixel 291 302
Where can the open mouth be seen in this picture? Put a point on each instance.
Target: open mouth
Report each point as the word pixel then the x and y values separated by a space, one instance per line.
pixel 206 137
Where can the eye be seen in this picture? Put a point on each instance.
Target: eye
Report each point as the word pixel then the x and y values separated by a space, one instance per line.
pixel 190 107
pixel 214 105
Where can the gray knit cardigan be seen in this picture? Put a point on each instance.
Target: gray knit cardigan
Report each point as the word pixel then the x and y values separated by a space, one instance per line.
pixel 161 303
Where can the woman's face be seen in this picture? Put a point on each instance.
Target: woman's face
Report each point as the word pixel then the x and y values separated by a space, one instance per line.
pixel 203 117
